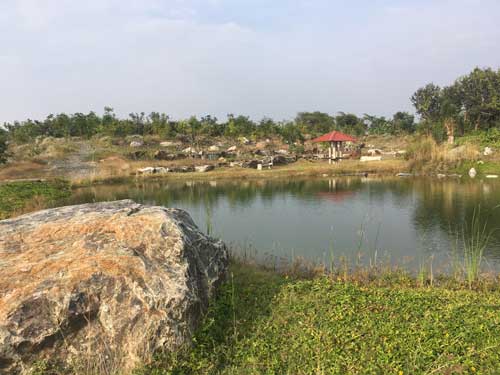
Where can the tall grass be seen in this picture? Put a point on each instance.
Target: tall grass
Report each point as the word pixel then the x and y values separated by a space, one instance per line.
pixel 425 153
pixel 475 239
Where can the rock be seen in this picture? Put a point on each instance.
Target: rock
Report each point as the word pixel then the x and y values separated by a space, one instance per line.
pixel 440 175
pixel 250 164
pixel 105 283
pixel 182 169
pixel 213 149
pixel 204 168
pixel 370 158
pixel 169 144
pixel 232 149
pixel 136 144
pixel 164 155
pixel 279 160
pixel 488 151
pixel 491 176
pixel 147 170
pixel 472 173
pixel 480 162
pixel 161 170
pixel 282 152
pixel 374 151
pixel 190 150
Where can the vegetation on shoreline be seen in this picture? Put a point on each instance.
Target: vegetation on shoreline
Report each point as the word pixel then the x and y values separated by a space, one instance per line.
pixel 468 105
pixel 25 196
pixel 263 323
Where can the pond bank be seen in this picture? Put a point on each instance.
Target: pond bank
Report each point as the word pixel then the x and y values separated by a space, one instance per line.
pixel 298 169
pixel 19 197
pixel 265 322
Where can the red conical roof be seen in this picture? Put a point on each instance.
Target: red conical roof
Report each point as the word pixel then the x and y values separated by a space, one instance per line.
pixel 335 136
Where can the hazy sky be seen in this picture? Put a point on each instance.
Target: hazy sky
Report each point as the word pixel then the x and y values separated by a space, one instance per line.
pixel 253 57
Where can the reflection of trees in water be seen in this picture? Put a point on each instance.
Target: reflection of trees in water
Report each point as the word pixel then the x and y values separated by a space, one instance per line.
pixel 449 206
pixel 237 193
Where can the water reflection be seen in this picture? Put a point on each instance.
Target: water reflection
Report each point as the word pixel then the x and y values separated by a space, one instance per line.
pixel 404 220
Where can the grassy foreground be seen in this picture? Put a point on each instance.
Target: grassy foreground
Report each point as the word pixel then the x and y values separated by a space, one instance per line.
pixel 265 323
pixel 24 196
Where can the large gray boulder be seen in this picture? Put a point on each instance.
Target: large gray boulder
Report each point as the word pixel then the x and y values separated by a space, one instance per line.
pixel 102 285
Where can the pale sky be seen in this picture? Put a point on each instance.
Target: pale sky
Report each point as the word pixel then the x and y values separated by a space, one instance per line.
pixel 253 57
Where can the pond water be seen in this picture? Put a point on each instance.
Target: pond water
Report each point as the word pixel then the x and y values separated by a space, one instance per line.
pixel 407 222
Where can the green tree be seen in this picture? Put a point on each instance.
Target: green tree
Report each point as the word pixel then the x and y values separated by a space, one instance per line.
pixel 239 126
pixel 426 101
pixel 402 122
pixel 350 123
pixel 480 95
pixel 315 123
pixel 3 146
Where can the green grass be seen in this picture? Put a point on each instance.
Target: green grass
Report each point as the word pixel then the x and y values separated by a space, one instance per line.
pixel 19 197
pixel 264 323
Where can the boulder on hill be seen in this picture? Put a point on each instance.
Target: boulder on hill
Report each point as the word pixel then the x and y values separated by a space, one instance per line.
pixel 104 284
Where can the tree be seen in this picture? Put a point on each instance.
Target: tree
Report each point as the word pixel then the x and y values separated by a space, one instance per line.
pixel 315 123
pixel 402 122
pixel 266 128
pixel 3 146
pixel 377 125
pixel 239 126
pixel 350 123
pixel 480 95
pixel 449 110
pixel 291 132
pixel 160 124
pixel 426 101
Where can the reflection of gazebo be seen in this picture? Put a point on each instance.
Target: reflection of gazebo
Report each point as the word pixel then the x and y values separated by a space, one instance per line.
pixel 337 196
pixel 336 140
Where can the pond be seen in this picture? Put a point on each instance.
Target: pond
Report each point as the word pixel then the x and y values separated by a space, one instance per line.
pixel 407 222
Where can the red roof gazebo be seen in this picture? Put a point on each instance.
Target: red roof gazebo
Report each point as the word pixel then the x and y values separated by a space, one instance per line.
pixel 336 140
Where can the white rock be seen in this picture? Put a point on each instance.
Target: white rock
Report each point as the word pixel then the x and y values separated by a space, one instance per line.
pixel 232 149
pixel 169 144
pixel 147 170
pixel 488 151
pixel 374 151
pixel 214 149
pixel 472 173
pixel 204 168
pixel 370 158
pixel 189 150
pixel 282 152
pixel 136 144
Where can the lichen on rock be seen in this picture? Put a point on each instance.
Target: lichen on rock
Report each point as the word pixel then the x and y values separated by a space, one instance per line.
pixel 104 284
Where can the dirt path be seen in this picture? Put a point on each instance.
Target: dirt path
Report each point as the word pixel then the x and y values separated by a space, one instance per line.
pixel 75 165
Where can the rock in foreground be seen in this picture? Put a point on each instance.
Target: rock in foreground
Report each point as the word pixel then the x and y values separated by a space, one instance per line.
pixel 102 285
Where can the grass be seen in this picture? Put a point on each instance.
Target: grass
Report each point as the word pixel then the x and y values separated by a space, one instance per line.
pixel 25 196
pixel 266 323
